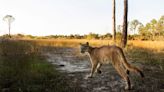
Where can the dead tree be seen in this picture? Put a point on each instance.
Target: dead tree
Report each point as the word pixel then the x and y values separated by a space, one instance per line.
pixel 125 25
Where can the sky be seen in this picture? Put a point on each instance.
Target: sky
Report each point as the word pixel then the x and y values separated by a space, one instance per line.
pixel 54 17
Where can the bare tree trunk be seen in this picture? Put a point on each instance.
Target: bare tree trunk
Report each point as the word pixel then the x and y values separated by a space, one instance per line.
pixel 114 23
pixel 9 24
pixel 125 26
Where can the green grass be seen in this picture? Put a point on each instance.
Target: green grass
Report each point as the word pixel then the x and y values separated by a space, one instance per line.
pixel 23 69
pixel 146 56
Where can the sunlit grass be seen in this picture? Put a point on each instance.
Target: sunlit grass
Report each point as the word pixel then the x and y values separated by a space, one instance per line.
pixel 68 42
pixel 24 69
pixel 154 45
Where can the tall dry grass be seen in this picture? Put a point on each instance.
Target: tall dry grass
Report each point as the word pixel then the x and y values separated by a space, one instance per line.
pixel 68 42
pixel 153 45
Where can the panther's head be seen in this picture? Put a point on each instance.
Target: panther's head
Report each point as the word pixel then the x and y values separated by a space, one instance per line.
pixel 84 47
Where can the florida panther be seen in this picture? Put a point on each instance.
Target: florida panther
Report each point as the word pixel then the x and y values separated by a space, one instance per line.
pixel 109 54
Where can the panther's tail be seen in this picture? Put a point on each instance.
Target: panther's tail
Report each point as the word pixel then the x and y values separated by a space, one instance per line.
pixel 128 66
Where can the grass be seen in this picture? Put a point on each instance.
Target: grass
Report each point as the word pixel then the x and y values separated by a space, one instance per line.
pixel 154 45
pixel 152 56
pixel 67 42
pixel 24 69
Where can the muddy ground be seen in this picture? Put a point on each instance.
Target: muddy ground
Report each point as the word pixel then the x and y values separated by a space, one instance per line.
pixel 76 66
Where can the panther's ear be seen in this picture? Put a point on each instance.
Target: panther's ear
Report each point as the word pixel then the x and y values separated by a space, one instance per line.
pixel 87 43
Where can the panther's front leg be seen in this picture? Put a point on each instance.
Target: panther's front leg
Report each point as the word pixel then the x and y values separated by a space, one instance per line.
pixel 98 68
pixel 93 69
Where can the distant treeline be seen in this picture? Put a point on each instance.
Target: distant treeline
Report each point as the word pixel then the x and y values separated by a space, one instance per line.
pixel 154 30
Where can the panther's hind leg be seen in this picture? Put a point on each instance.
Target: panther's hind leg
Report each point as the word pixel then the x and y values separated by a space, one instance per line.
pixel 124 75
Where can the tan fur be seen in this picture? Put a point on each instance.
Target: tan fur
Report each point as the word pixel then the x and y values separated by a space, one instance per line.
pixel 109 54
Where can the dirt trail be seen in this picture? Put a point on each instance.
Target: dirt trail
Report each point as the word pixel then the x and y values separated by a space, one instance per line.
pixel 77 66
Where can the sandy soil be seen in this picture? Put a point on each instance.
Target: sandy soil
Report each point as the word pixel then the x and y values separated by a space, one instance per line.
pixel 76 66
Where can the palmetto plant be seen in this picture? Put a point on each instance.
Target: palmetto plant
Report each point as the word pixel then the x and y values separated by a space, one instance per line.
pixel 9 19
